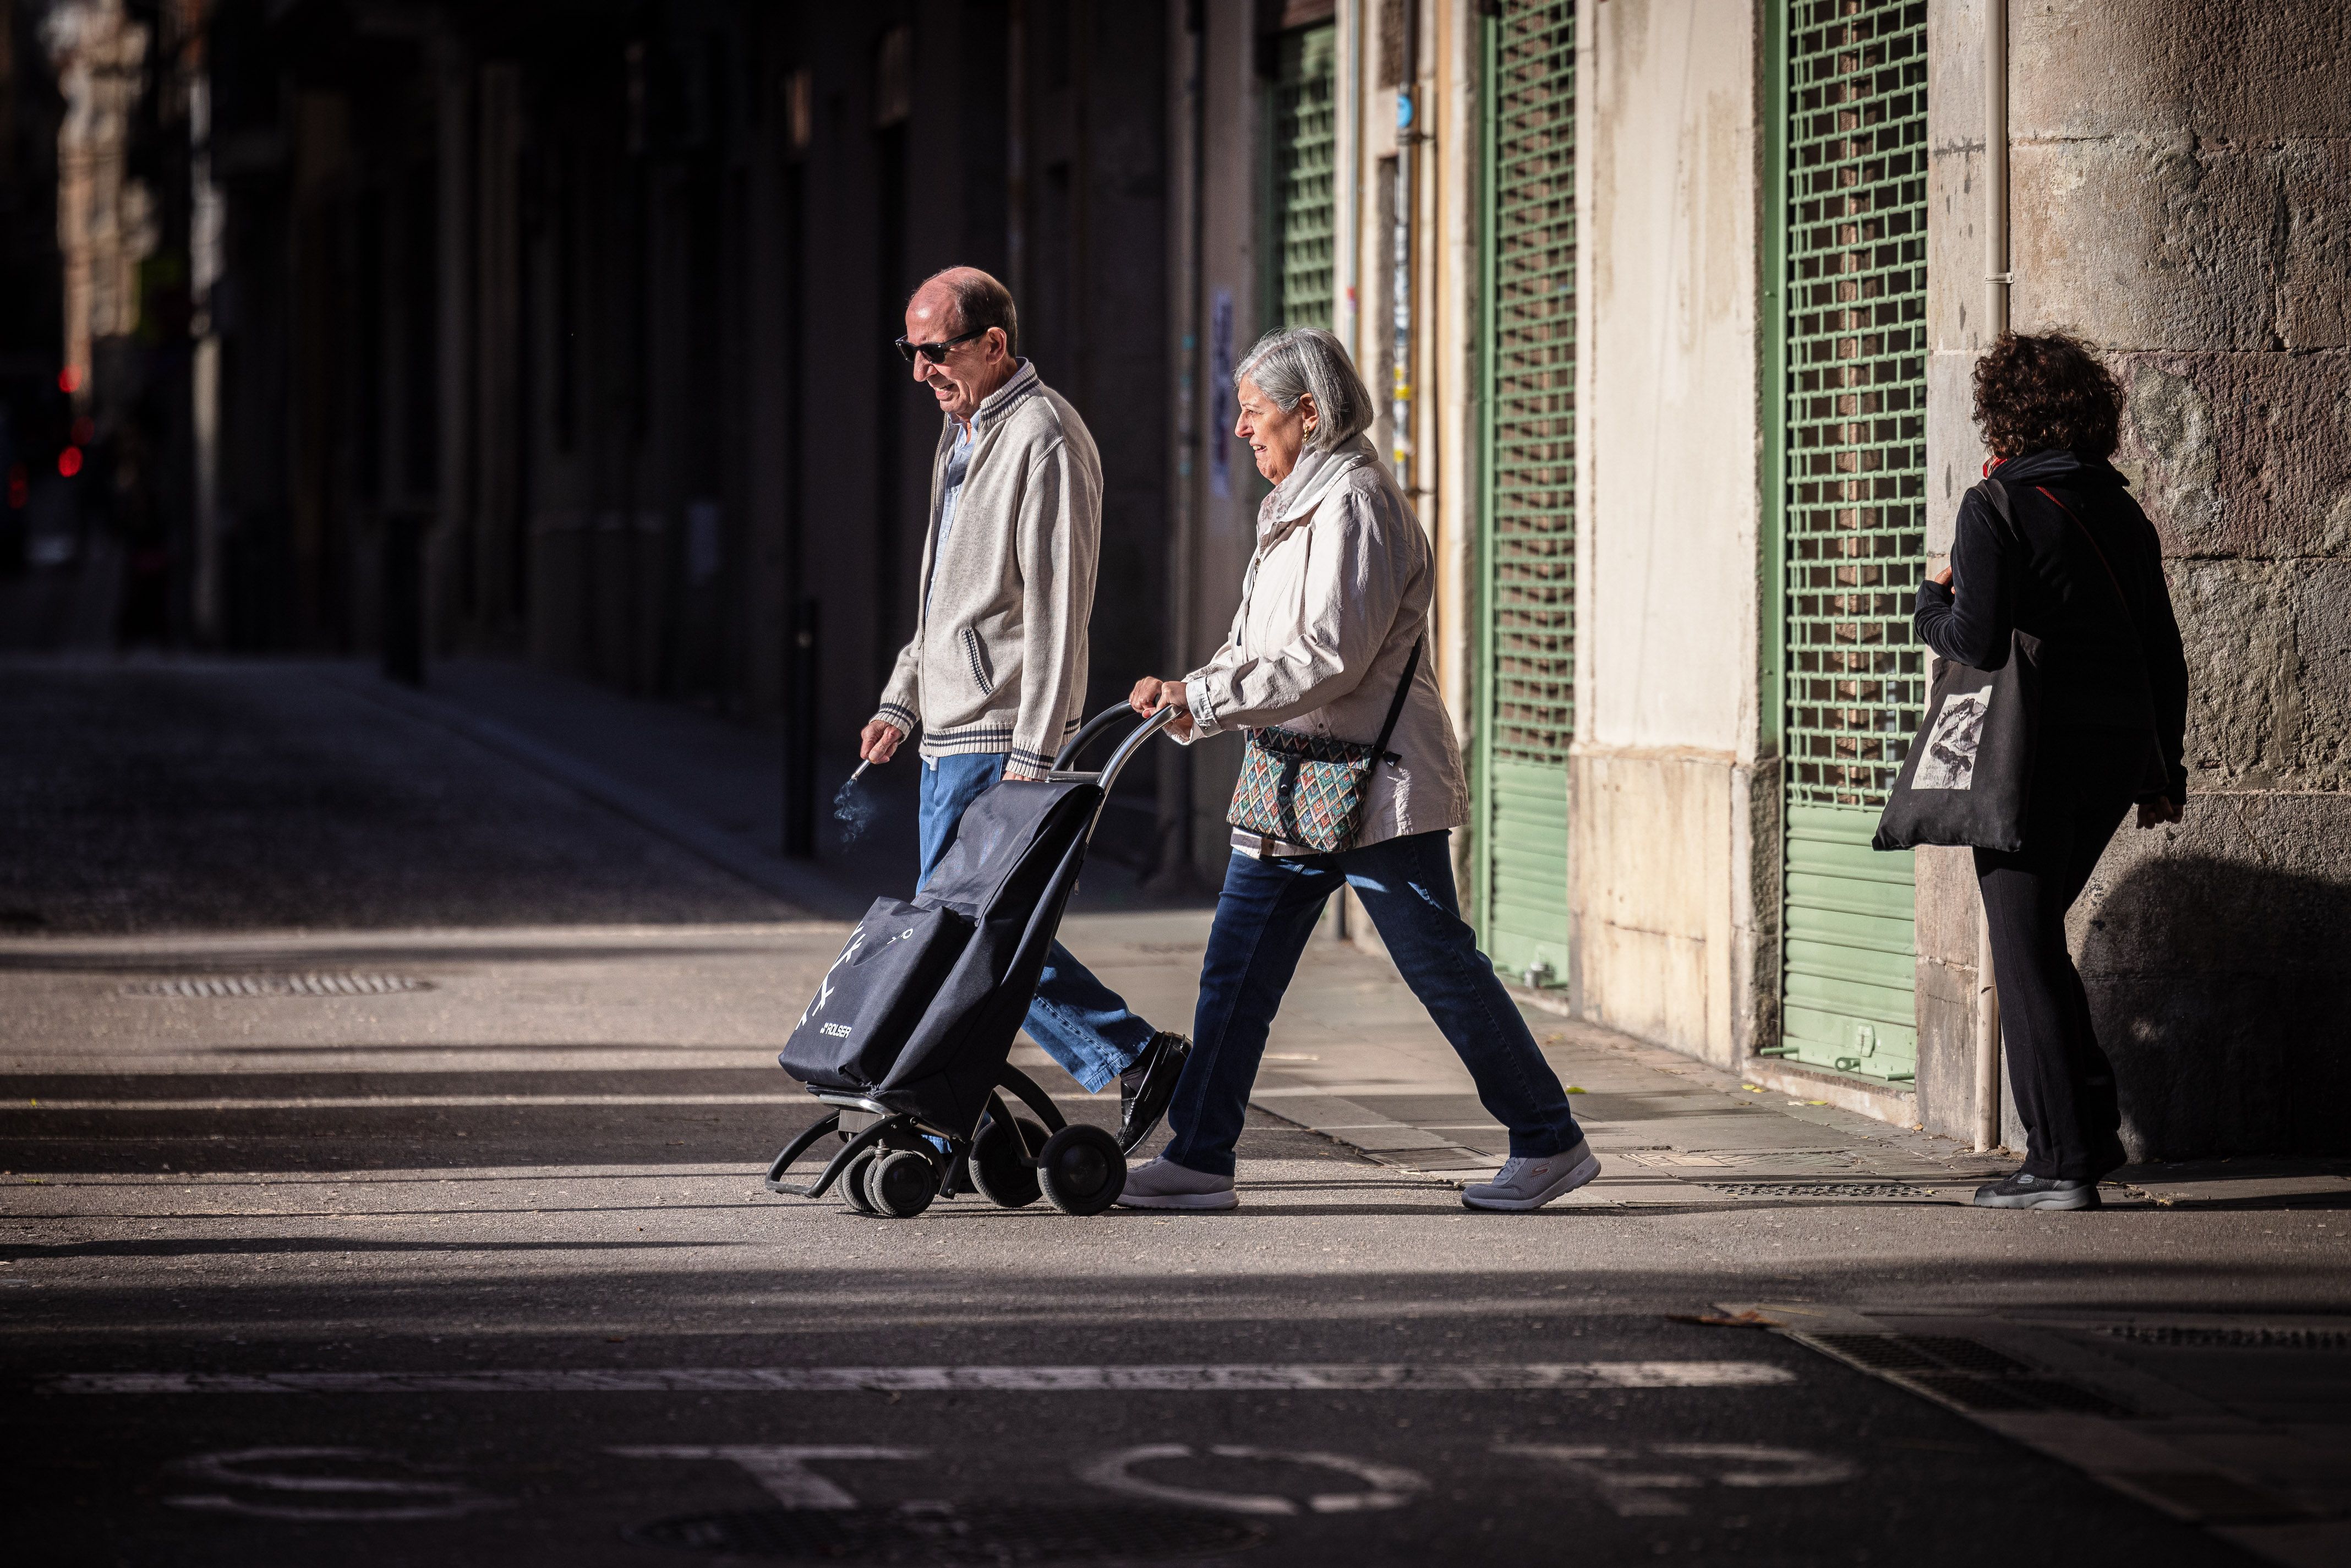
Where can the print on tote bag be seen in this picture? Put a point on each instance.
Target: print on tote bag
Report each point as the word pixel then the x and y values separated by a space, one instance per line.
pixel 1951 760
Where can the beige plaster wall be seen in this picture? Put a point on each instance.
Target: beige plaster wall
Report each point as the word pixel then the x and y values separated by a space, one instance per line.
pixel 1673 905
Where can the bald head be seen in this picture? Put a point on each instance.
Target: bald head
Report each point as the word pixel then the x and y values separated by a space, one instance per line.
pixel 965 303
pixel 965 300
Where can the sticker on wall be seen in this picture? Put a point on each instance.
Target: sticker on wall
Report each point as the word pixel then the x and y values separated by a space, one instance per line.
pixel 1221 404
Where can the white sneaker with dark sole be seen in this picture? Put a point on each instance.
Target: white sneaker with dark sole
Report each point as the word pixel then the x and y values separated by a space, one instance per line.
pixel 1163 1184
pixel 1522 1184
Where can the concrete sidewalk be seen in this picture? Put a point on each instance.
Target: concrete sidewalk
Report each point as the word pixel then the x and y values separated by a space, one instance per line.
pixel 1352 1055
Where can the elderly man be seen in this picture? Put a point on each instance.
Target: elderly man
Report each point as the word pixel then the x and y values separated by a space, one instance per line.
pixel 996 673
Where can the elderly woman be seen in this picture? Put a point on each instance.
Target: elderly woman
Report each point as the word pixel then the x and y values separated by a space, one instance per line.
pixel 1330 643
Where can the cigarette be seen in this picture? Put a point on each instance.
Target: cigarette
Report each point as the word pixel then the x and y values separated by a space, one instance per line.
pixel 861 772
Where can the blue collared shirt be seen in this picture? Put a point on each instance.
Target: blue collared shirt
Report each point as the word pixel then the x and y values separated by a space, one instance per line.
pixel 950 488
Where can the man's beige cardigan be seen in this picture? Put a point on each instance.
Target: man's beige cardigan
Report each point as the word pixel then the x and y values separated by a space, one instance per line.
pixel 998 663
pixel 1336 596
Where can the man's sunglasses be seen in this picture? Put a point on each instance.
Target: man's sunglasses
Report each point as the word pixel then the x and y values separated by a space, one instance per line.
pixel 936 352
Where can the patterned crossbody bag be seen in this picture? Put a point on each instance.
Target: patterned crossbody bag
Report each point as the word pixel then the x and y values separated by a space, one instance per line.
pixel 1308 790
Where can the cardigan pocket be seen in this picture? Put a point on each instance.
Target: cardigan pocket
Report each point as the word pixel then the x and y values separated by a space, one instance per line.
pixel 975 654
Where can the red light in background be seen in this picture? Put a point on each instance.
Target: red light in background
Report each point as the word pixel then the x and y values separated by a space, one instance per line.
pixel 20 486
pixel 69 380
pixel 84 431
pixel 70 462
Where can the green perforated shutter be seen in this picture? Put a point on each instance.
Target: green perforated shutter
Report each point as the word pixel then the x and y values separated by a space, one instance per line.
pixel 1852 447
pixel 1527 685
pixel 1305 138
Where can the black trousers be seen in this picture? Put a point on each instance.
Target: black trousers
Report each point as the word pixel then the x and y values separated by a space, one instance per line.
pixel 2083 780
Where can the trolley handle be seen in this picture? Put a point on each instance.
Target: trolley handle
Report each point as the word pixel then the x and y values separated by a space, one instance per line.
pixel 1101 725
pixel 1094 729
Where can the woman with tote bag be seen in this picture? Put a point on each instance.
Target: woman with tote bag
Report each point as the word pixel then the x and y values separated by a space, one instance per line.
pixel 1350 778
pixel 2063 700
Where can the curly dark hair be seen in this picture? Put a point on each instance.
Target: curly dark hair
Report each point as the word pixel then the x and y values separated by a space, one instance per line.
pixel 2044 391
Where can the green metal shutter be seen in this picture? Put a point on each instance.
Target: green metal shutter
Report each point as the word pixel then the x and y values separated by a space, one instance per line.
pixel 1851 446
pixel 1527 515
pixel 1305 138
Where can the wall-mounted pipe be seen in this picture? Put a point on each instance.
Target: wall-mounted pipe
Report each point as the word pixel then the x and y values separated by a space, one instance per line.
pixel 1997 277
pixel 1409 139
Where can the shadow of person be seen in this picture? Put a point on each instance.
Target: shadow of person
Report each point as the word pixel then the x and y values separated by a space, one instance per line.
pixel 2222 991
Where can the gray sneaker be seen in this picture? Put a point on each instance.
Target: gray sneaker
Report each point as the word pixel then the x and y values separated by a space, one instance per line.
pixel 1523 1184
pixel 2023 1191
pixel 1163 1184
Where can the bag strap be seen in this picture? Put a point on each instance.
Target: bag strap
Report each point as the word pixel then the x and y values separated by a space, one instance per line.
pixel 1999 490
pixel 1396 706
pixel 2130 616
pixel 2129 619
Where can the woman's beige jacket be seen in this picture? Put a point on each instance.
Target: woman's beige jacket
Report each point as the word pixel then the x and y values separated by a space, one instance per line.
pixel 1337 593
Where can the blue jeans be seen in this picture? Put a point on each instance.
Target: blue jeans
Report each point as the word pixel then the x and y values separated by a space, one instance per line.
pixel 1265 916
pixel 1081 1023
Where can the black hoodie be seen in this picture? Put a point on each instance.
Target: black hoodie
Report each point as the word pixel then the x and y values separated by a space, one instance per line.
pixel 2105 659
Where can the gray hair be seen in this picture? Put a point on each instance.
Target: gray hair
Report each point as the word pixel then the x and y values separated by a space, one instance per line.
pixel 1290 362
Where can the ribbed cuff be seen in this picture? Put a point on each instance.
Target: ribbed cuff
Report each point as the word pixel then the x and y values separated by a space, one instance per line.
pixel 1204 712
pixel 900 719
pixel 1020 764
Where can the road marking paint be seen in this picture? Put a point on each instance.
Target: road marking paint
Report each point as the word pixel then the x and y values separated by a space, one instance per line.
pixel 427 1499
pixel 1804 1468
pixel 427 1102
pixel 1341 1379
pixel 783 1469
pixel 411 1102
pixel 1633 1493
pixel 1390 1486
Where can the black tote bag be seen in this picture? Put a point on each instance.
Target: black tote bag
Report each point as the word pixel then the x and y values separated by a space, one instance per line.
pixel 1969 771
pixel 1966 779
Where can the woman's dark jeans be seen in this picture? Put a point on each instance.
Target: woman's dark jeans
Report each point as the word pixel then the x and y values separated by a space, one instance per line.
pixel 2083 781
pixel 1265 916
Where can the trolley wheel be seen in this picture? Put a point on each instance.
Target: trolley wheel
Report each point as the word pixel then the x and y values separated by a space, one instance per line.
pixel 853 1184
pixel 1000 1172
pixel 1082 1169
pixel 900 1184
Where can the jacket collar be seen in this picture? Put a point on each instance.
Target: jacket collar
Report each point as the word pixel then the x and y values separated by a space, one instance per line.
pixel 996 404
pixel 1316 475
pixel 2054 465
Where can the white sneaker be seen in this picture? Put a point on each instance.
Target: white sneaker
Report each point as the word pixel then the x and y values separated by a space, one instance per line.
pixel 1523 1184
pixel 1163 1184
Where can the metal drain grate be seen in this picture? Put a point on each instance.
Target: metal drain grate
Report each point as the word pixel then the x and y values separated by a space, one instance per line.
pixel 1963 1373
pixel 997 1536
pixel 277 986
pixel 1817 1189
pixel 2188 1338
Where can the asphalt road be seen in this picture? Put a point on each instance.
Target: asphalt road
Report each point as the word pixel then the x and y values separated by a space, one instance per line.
pixel 475 1267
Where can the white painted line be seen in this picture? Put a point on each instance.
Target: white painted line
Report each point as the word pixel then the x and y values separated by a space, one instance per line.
pixel 1386 1485
pixel 783 1470
pixel 1632 1492
pixel 281 1494
pixel 423 1101
pixel 1341 1379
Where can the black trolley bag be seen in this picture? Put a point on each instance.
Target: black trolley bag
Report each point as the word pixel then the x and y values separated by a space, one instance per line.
pixel 909 1035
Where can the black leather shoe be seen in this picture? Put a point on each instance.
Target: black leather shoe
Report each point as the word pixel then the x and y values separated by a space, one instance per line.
pixel 1144 1089
pixel 2023 1191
